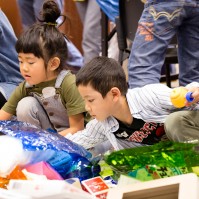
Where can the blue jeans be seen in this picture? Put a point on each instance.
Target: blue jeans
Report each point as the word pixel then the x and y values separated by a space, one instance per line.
pixel 10 75
pixel 160 21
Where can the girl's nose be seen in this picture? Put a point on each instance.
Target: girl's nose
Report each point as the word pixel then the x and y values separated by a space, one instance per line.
pixel 24 67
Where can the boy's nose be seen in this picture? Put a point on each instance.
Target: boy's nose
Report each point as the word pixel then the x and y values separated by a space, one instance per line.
pixel 87 107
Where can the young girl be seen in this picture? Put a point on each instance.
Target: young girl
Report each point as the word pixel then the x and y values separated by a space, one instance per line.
pixel 48 98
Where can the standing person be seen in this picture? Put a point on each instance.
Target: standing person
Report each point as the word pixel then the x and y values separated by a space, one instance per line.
pixel 10 75
pixel 30 13
pixel 160 21
pixel 125 117
pixel 90 14
pixel 48 98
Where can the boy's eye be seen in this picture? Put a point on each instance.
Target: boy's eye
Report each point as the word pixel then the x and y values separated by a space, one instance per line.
pixel 31 63
pixel 91 100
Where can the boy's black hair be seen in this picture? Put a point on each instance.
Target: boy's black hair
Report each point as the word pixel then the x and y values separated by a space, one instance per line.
pixel 102 73
pixel 44 39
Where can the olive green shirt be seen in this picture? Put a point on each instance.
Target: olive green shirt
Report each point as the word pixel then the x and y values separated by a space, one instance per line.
pixel 69 94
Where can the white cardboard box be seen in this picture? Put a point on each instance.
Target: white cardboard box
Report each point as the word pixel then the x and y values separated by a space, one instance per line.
pixel 42 189
pixel 184 186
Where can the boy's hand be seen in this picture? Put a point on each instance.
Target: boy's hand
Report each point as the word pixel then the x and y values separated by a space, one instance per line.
pixel 195 95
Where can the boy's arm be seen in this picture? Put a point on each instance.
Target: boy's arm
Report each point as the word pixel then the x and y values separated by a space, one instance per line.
pixel 92 135
pixel 4 115
pixel 163 92
pixel 193 84
pixel 151 96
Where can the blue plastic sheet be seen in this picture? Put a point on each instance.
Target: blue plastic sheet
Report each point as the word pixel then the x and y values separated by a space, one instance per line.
pixel 66 157
pixel 34 138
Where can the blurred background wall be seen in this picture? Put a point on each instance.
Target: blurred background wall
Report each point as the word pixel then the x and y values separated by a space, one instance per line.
pixel 73 28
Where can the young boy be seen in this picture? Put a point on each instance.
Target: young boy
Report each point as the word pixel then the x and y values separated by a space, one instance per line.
pixel 125 117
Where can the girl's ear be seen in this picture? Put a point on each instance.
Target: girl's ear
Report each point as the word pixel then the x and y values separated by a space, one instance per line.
pixel 54 63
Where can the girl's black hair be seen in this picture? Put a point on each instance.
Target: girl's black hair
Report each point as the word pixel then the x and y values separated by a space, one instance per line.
pixel 43 38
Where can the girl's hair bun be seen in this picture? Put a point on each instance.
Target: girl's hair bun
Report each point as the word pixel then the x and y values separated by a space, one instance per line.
pixel 50 12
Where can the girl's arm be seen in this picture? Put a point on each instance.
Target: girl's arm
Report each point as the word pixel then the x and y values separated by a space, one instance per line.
pixel 4 115
pixel 76 123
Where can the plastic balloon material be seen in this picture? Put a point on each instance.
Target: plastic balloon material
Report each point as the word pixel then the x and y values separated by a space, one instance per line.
pixel 35 145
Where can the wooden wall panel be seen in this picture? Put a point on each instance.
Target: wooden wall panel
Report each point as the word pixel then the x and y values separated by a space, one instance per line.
pixel 75 26
pixel 10 8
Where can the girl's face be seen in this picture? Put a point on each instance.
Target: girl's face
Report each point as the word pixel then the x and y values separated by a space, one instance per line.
pixel 33 69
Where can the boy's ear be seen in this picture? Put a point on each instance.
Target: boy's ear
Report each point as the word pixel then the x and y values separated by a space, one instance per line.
pixel 54 63
pixel 115 92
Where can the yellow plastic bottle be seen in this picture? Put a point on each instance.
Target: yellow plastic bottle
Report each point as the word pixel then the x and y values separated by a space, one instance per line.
pixel 179 96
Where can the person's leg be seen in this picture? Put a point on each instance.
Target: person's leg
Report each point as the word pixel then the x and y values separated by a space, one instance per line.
pixel 92 31
pixel 90 15
pixel 37 7
pixel 30 110
pixel 81 9
pixel 60 3
pixel 183 126
pixel 9 63
pixel 75 59
pixel 155 30
pixel 27 12
pixel 188 44
pixel 6 89
pixel 10 75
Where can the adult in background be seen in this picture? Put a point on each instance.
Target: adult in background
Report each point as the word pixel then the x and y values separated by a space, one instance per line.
pixel 159 22
pixel 90 15
pixel 10 75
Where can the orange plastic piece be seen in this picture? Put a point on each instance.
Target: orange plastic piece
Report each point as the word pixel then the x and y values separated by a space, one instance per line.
pixel 15 174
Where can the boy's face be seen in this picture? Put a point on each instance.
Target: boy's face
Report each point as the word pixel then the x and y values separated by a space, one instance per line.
pixel 98 107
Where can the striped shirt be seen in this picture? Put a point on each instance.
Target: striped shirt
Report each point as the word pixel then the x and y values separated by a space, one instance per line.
pixel 150 103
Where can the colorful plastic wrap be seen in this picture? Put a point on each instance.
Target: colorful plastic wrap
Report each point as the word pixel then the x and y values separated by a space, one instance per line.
pixel 16 174
pixel 168 155
pixel 152 172
pixel 35 139
pixel 62 154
